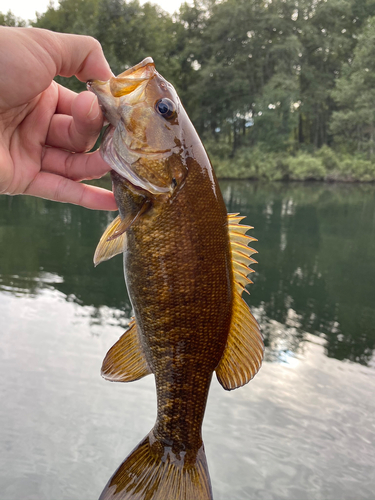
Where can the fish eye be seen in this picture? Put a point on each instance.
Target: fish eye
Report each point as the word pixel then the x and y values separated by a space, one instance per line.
pixel 166 108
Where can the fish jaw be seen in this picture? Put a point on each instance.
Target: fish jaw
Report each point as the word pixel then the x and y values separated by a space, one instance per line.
pixel 107 102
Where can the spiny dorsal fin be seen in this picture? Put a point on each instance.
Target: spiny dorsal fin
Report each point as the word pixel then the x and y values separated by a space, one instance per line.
pixel 125 361
pixel 241 252
pixel 243 353
pixel 112 242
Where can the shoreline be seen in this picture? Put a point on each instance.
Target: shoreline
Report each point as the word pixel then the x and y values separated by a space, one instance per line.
pixel 297 181
pixel 324 164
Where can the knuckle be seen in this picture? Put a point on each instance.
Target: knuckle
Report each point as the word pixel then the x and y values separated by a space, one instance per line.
pixel 96 43
pixel 81 197
pixel 76 166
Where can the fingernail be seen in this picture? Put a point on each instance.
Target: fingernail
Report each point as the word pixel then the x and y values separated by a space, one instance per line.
pixel 91 114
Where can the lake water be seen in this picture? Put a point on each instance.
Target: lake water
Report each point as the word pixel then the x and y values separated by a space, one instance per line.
pixel 303 429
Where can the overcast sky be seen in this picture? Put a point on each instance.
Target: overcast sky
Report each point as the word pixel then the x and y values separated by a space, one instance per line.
pixel 27 8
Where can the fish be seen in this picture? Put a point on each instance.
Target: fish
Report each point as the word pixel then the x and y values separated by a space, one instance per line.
pixel 186 266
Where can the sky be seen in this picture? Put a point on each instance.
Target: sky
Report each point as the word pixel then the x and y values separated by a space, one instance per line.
pixel 26 9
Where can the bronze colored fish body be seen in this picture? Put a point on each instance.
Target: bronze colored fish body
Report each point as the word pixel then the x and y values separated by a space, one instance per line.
pixel 185 267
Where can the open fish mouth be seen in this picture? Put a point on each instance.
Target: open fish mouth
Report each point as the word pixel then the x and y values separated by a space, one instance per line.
pixel 129 83
pixel 128 88
pixel 132 82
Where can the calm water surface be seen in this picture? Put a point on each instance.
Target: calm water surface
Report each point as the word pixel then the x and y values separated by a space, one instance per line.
pixel 304 428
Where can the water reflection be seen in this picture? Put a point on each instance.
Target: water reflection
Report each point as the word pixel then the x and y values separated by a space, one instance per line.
pixel 301 430
pixel 316 243
pixel 45 244
pixel 316 272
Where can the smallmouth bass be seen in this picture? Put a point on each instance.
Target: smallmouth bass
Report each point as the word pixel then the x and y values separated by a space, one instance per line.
pixel 186 265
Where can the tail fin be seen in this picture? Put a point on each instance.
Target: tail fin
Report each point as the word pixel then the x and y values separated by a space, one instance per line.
pixel 152 471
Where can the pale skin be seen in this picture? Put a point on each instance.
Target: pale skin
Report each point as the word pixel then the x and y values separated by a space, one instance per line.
pixel 46 129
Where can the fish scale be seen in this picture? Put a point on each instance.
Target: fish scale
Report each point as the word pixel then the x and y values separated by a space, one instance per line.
pixel 191 337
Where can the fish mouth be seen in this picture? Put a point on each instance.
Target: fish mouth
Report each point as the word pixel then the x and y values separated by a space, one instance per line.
pixel 132 80
pixel 130 84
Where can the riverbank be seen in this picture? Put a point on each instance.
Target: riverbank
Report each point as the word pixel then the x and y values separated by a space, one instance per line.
pixel 255 164
pixel 323 165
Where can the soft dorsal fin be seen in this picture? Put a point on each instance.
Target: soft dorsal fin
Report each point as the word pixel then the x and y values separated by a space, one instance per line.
pixel 112 242
pixel 125 361
pixel 243 353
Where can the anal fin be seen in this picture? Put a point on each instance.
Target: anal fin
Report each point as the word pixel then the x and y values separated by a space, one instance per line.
pixel 125 361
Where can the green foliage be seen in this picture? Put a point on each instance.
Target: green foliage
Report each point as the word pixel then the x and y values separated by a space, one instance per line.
pixel 260 164
pixel 355 168
pixel 253 163
pixel 306 167
pixel 270 86
pixel 354 124
pixel 10 19
pixel 328 158
pixel 71 16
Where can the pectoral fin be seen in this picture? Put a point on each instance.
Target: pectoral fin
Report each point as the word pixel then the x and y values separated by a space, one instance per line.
pixel 243 353
pixel 125 361
pixel 112 242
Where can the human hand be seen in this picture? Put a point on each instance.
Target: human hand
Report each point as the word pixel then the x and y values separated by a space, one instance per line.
pixel 45 128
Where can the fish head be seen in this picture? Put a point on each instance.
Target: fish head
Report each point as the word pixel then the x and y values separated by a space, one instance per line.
pixel 144 142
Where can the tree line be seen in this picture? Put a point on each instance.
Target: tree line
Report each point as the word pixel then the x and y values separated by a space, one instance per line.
pixel 265 82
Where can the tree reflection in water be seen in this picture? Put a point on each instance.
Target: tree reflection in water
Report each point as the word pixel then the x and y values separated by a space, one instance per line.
pixel 316 271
